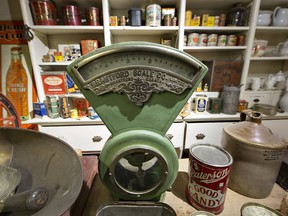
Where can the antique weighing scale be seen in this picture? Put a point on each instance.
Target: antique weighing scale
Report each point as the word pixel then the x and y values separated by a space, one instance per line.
pixel 137 89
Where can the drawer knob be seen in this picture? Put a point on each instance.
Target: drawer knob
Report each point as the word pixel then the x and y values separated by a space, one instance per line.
pixel 169 136
pixel 97 138
pixel 200 136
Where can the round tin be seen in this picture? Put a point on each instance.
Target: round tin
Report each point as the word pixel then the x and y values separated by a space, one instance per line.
pixel 241 40
pixel 231 40
pixel 222 39
pixel 153 15
pixel 209 171
pixel 92 15
pixel 71 15
pixel 212 40
pixel 203 40
pixel 44 12
pixel 193 39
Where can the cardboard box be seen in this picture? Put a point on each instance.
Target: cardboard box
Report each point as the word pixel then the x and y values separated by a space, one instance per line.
pixel 88 46
pixel 54 83
pixel 222 73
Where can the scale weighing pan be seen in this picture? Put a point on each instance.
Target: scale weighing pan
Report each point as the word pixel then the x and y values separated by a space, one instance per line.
pixel 43 161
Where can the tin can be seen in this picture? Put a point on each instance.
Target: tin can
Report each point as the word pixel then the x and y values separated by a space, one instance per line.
pixel 122 21
pixel 193 39
pixel 241 40
pixel 222 39
pixel 153 15
pixel 203 40
pixel 113 21
pixel 209 171
pixel 92 16
pixel 231 40
pixel 44 12
pixel 216 20
pixel 168 20
pixel 212 40
pixel 188 17
pixel 71 15
pixel 222 20
pixel 201 103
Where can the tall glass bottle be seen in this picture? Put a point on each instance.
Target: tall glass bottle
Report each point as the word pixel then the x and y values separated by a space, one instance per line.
pixel 17 84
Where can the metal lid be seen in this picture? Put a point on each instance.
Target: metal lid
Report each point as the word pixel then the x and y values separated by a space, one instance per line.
pixel 211 154
pixel 257 209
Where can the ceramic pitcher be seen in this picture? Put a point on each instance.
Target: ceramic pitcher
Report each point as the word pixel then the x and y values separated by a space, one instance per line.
pixel 280 17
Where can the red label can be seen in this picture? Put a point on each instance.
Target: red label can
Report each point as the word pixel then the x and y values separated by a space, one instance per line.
pixel 209 171
pixel 44 12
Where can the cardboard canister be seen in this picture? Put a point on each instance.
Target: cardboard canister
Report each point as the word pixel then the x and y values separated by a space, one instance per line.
pixel 208 173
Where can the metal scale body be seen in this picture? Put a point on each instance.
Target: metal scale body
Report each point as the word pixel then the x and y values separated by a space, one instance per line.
pixel 137 89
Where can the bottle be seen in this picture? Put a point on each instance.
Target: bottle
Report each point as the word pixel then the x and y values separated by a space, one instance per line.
pixel 17 84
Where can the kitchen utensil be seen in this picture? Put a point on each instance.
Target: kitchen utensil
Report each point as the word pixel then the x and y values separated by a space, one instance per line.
pixel 264 18
pixel 257 154
pixel 280 16
pixel 30 200
pixel 266 109
pixel 43 161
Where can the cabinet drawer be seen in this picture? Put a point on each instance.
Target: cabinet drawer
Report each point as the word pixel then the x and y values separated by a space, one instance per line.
pixel 88 138
pixel 204 133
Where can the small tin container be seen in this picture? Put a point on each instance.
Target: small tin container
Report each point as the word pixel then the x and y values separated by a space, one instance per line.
pixel 44 12
pixel 168 20
pixel 135 15
pixel 113 21
pixel 221 41
pixel 203 40
pixel 216 20
pixel 188 17
pixel 208 173
pixel 214 105
pixel 122 21
pixel 71 15
pixel 200 103
pixel 241 40
pixel 153 15
pixel 212 40
pixel 222 20
pixel 193 39
pixel 92 15
pixel 231 40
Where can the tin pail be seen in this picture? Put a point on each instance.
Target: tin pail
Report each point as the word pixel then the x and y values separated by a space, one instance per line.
pixel 44 12
pixel 153 15
pixel 209 171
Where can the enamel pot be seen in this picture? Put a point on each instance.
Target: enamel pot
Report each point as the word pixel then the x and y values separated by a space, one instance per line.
pixel 257 154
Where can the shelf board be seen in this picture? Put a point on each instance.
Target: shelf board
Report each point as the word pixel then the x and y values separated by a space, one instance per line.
pixel 215 29
pixel 54 63
pixel 143 30
pixel 269 29
pixel 213 48
pixel 269 58
pixel 61 29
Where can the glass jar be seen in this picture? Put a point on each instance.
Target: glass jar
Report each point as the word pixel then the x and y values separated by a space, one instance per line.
pixel 237 15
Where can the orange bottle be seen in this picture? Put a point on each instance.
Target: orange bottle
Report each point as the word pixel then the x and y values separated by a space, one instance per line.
pixel 17 84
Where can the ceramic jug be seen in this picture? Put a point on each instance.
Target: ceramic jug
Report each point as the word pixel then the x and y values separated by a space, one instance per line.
pixel 283 48
pixel 264 18
pixel 270 82
pixel 280 17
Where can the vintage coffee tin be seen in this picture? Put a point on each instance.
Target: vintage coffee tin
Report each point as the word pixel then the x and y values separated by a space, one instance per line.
pixel 44 12
pixel 92 16
pixel 193 39
pixel 212 40
pixel 209 171
pixel 201 103
pixel 203 40
pixel 231 40
pixel 153 15
pixel 71 15
pixel 222 39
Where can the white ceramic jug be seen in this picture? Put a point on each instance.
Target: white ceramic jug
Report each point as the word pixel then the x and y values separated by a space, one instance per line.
pixel 264 18
pixel 280 17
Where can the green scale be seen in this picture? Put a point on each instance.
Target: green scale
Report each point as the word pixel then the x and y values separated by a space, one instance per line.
pixel 138 90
